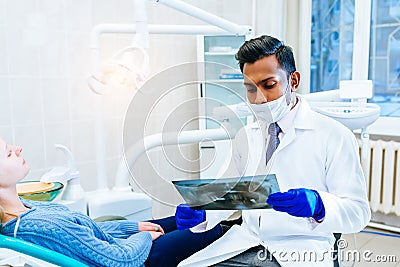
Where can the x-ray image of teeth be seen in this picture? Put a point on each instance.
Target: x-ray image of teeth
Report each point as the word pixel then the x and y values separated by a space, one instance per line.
pixel 240 193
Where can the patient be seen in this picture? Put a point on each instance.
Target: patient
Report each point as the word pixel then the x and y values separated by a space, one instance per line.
pixel 113 243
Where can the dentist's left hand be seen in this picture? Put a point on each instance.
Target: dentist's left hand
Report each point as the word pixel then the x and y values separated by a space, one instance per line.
pixel 299 202
pixel 186 217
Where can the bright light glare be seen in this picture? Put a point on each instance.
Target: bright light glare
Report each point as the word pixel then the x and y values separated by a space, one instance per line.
pixel 121 73
pixel 117 76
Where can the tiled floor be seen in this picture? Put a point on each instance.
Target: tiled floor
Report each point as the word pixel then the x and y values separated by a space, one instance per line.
pixel 372 249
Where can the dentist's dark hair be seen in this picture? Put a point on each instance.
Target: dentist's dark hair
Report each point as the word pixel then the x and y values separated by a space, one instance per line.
pixel 266 45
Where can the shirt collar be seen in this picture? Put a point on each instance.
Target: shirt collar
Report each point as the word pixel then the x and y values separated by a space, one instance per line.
pixel 287 121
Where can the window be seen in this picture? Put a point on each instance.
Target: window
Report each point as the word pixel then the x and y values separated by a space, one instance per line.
pixel 384 60
pixel 332 38
pixel 332 25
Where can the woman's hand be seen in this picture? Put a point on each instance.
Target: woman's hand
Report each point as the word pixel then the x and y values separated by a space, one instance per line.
pixel 150 227
pixel 155 235
pixel 155 230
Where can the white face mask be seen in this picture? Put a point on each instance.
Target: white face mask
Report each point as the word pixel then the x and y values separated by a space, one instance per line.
pixel 272 111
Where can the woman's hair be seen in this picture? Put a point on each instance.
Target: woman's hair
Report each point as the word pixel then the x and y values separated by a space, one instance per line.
pixel 1 213
pixel 265 45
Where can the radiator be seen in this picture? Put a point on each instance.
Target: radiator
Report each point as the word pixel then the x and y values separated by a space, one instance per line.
pixel 382 173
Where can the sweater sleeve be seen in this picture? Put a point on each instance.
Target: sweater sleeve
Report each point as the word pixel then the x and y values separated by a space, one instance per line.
pixel 81 243
pixel 120 228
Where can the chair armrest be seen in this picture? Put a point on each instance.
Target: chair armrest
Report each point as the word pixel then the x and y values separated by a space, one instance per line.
pixel 38 252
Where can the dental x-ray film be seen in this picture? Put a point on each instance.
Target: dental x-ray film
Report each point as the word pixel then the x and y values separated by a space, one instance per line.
pixel 250 192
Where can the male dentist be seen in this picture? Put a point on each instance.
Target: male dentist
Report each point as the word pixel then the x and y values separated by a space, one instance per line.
pixel 316 162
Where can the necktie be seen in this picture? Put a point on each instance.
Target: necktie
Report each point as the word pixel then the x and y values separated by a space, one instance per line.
pixel 273 131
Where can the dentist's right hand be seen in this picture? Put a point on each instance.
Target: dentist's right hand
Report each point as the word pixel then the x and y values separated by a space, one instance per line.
pixel 186 217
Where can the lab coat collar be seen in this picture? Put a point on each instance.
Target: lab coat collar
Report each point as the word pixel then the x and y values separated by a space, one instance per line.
pixel 303 120
pixel 305 116
pixel 287 121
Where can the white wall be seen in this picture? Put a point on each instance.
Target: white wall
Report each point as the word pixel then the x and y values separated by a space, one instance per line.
pixel 44 59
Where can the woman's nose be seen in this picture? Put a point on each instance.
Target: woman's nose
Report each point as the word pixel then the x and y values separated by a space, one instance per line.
pixel 17 150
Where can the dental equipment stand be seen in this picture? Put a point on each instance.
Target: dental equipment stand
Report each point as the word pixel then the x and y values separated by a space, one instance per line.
pixel 73 195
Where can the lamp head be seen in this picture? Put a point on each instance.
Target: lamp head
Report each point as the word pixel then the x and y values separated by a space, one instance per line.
pixel 121 72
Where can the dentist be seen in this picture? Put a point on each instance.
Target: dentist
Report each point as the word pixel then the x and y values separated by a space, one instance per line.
pixel 315 160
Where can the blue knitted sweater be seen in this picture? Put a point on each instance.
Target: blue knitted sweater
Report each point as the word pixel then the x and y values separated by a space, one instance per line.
pixel 54 226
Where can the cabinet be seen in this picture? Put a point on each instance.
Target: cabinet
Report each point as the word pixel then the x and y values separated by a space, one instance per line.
pixel 221 85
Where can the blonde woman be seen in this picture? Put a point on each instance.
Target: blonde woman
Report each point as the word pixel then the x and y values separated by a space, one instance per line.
pixel 114 243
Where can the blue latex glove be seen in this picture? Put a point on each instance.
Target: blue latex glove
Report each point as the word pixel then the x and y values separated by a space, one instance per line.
pixel 299 202
pixel 186 217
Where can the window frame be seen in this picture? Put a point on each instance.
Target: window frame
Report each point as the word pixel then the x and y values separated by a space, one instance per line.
pixel 360 61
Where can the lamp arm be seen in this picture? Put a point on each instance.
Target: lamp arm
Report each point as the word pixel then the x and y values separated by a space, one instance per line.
pixel 205 16
pixel 161 139
pixel 142 34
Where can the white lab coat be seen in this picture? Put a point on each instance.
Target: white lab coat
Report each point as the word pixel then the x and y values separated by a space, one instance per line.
pixel 316 153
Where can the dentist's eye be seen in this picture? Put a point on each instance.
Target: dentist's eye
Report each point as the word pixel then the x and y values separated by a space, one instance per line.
pixel 269 85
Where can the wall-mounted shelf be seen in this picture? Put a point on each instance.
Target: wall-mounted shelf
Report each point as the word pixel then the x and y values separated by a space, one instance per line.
pixel 218 53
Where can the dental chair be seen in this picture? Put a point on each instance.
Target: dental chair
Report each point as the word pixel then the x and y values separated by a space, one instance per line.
pixel 38 252
pixel 42 253
pixel 335 249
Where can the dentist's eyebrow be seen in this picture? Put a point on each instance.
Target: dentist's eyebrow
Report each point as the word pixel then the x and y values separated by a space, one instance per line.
pixel 258 83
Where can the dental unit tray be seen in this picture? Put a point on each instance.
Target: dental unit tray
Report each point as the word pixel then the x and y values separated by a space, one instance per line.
pixel 241 193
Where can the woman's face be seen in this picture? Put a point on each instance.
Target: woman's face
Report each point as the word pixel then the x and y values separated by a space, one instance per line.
pixel 12 166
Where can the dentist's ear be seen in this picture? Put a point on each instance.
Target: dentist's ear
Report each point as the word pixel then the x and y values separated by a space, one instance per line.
pixel 295 81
